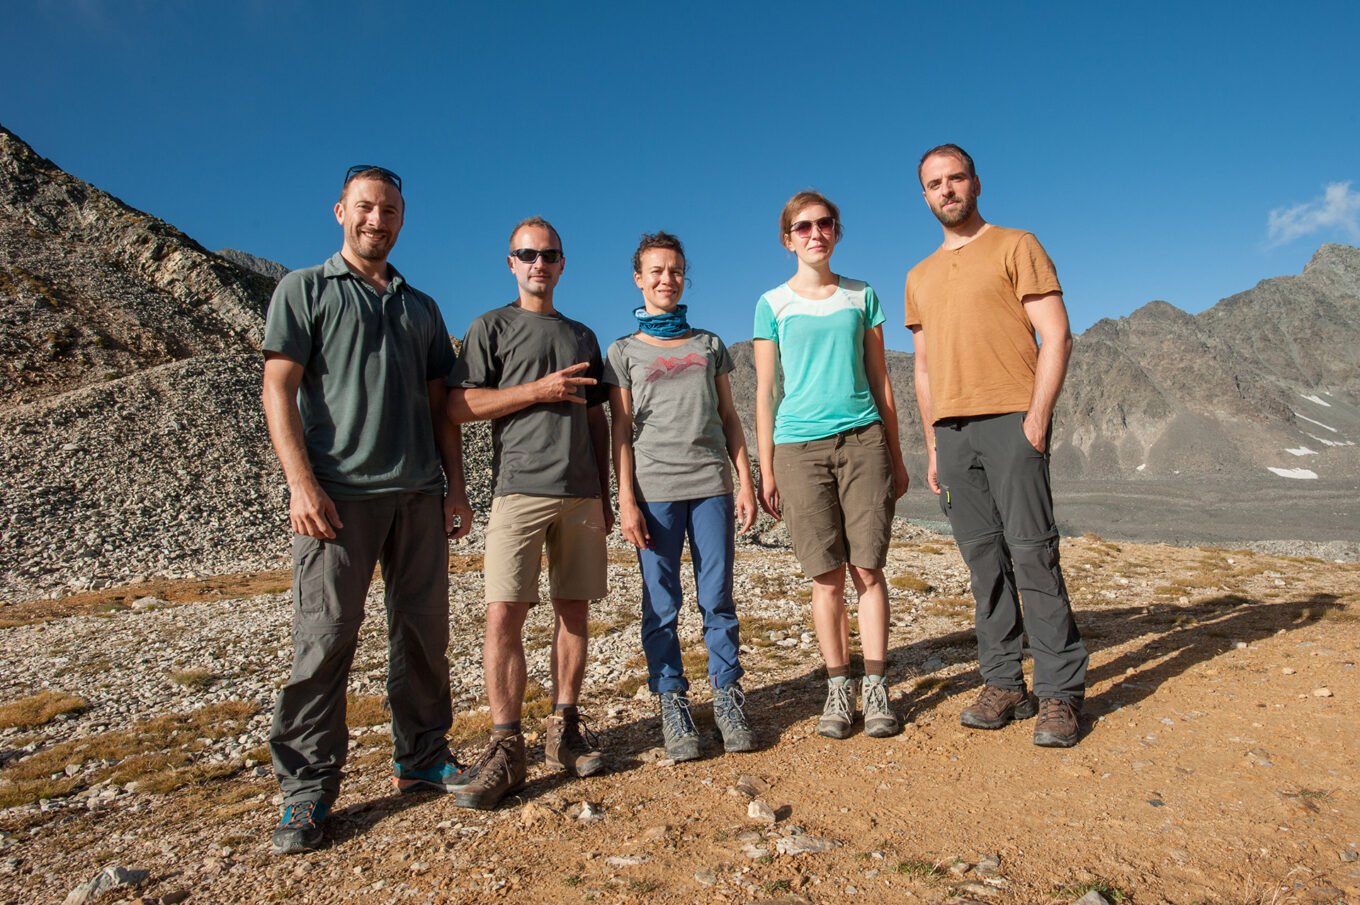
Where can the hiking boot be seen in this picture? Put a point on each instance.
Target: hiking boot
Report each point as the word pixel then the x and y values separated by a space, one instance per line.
pixel 838 715
pixel 571 746
pixel 736 732
pixel 499 772
pixel 301 828
pixel 995 707
pixel 1059 723
pixel 449 776
pixel 879 721
pixel 677 727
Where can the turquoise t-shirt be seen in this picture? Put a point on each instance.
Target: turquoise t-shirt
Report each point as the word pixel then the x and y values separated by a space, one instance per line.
pixel 821 354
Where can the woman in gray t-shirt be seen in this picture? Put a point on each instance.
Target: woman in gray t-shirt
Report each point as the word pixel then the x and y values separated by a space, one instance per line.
pixel 676 435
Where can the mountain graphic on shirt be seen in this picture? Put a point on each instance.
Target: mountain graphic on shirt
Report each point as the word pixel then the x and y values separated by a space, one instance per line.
pixel 666 368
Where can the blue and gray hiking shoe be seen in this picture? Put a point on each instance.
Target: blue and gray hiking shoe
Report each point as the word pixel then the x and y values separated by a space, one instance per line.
pixel 450 776
pixel 730 715
pixel 677 727
pixel 301 828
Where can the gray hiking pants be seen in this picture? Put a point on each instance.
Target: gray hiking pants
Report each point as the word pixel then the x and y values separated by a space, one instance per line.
pixel 995 491
pixel 405 533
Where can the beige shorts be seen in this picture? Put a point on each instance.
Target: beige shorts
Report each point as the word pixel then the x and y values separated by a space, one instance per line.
pixel 837 498
pixel 572 529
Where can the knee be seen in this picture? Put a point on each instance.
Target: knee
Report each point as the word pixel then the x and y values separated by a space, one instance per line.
pixel 866 579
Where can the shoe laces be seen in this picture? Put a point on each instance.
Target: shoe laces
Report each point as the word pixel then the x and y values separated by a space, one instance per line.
pixel 300 815
pixel 990 695
pixel 676 716
pixel 876 697
pixel 728 703
pixel 576 735
pixel 838 700
pixel 1056 710
pixel 499 749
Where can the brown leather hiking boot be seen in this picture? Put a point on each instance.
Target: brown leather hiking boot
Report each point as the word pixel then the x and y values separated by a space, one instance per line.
pixel 995 707
pixel 499 772
pixel 571 746
pixel 1059 723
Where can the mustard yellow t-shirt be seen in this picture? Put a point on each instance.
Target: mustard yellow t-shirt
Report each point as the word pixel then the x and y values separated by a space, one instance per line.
pixel 979 342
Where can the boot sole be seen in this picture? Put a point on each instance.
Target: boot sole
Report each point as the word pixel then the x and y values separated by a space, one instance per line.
pixel 1052 740
pixel 578 771
pixel 882 731
pixel 836 732
pixel 408 786
pixel 481 800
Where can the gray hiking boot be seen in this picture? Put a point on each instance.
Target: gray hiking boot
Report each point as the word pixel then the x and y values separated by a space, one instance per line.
pixel 995 707
pixel 572 747
pixel 677 727
pixel 879 721
pixel 730 715
pixel 838 715
pixel 500 772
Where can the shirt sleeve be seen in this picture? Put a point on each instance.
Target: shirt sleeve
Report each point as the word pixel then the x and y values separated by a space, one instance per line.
pixel 913 312
pixel 288 323
pixel 1032 272
pixel 722 359
pixel 873 309
pixel 765 325
pixel 477 366
pixel 598 393
pixel 616 366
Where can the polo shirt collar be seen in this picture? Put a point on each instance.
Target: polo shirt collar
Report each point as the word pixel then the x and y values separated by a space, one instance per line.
pixel 335 266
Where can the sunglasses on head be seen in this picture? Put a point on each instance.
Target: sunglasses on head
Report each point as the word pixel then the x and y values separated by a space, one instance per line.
pixel 530 255
pixel 372 171
pixel 803 228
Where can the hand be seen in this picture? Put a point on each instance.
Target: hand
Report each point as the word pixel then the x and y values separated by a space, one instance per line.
pixel 1036 434
pixel 560 386
pixel 457 515
pixel 769 495
pixel 901 480
pixel 312 513
pixel 932 477
pixel 633 526
pixel 746 508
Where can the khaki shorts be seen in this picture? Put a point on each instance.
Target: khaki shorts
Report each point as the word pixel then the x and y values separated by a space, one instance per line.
pixel 572 529
pixel 837 498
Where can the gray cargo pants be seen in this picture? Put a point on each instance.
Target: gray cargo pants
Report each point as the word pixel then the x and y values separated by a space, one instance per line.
pixel 995 491
pixel 309 739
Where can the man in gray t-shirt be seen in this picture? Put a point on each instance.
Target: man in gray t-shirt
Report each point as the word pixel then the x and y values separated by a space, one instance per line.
pixel 534 374
pixel 354 388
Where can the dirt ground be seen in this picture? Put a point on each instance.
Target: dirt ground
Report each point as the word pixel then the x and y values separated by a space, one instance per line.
pixel 1217 764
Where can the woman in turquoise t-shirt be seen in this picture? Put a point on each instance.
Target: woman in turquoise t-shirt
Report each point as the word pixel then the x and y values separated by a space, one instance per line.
pixel 830 461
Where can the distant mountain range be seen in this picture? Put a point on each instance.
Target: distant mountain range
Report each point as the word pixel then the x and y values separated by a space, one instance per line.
pixel 129 368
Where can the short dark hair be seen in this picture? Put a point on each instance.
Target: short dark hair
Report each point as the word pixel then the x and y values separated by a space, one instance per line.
pixel 381 174
pixel 538 221
pixel 658 239
pixel 807 198
pixel 949 150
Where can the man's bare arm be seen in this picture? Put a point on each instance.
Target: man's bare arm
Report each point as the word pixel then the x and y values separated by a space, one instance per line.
pixel 1049 316
pixel 311 512
pixel 487 403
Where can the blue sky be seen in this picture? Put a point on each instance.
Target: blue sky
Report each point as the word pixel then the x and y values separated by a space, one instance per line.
pixel 1159 151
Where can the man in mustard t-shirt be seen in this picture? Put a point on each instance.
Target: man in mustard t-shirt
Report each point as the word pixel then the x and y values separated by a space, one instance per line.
pixel 987 391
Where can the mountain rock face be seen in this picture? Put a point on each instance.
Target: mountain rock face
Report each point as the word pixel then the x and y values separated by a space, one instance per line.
pixel 270 270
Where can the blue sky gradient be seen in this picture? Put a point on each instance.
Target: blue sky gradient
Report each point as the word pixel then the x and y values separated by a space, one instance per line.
pixel 1149 146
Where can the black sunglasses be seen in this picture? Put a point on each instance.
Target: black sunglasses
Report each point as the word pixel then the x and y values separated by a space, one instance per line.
pixel 373 171
pixel 530 255
pixel 803 228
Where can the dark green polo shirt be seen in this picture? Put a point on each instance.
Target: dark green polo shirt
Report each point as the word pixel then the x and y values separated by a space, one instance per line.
pixel 366 361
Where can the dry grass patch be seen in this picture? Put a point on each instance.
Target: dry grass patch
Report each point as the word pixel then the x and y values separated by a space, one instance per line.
pixel 462 563
pixel 366 710
pixel 474 725
pixel 160 754
pixel 956 607
pixel 39 709
pixel 910 582
pixel 192 678
pixel 174 591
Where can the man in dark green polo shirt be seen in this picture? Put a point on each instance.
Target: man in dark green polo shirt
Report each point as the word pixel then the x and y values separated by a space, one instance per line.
pixel 354 394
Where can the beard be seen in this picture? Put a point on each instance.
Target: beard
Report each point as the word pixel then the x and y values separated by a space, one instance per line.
pixel 954 216
pixel 372 248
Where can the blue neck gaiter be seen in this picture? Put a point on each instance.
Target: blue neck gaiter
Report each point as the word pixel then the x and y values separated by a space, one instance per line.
pixel 663 326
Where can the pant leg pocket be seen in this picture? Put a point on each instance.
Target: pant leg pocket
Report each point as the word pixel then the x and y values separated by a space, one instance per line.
pixel 313 603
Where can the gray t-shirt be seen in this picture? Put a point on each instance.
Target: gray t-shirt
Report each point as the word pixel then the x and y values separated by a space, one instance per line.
pixel 367 360
pixel 545 449
pixel 679 448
